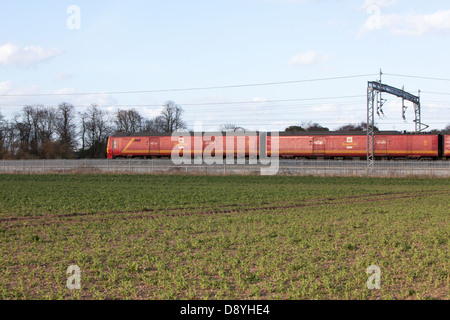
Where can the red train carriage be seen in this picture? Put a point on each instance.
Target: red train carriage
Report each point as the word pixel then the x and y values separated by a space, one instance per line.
pixel 162 145
pixel 291 145
pixel 351 145
pixel 137 145
pixel 446 146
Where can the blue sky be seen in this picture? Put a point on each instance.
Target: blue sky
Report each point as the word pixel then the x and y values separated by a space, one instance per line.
pixel 123 46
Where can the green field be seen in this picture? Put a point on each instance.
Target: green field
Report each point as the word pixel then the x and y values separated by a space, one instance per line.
pixel 223 237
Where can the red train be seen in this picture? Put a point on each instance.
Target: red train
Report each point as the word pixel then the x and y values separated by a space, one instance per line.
pixel 446 146
pixel 307 145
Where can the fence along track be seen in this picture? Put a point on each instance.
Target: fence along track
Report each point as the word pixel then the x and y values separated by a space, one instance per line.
pixel 286 167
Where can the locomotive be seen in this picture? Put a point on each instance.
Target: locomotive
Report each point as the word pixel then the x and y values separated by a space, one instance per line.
pixel 294 145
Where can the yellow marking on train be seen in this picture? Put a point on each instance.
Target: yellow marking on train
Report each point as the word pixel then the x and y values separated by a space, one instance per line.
pixel 125 150
pixel 128 145
pixel 309 152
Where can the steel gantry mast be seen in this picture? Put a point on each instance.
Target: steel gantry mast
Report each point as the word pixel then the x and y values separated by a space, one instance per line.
pixel 370 124
pixel 374 88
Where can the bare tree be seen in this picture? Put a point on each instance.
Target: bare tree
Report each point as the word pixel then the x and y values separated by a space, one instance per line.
pixel 66 129
pixel 35 126
pixel 2 136
pixel 128 121
pixel 96 130
pixel 170 119
pixel 447 129
pixel 83 129
pixel 9 137
pixel 155 125
pixel 45 119
pixel 26 136
pixel 229 127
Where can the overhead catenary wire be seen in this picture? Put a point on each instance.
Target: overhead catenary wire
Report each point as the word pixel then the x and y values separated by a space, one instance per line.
pixel 416 77
pixel 292 122
pixel 218 87
pixel 255 105
pixel 186 89
pixel 424 78
pixel 207 107
pixel 322 121
pixel 207 104
pixel 221 87
pixel 440 93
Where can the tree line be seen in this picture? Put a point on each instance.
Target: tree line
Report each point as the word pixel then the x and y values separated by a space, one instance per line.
pixel 40 132
pixel 361 127
pixel 317 127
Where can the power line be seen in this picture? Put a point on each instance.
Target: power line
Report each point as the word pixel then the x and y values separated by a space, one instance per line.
pixel 270 121
pixel 417 77
pixel 223 87
pixel 441 93
pixel 270 101
pixel 293 122
pixel 186 89
pixel 204 103
pixel 279 108
pixel 275 111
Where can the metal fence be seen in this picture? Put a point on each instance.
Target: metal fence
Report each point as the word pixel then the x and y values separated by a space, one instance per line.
pixel 286 167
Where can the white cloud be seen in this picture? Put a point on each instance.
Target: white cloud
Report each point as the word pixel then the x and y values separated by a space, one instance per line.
pixel 13 55
pixel 409 24
pixel 308 58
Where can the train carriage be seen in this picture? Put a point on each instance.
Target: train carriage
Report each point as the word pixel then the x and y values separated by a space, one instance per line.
pixel 340 145
pixel 446 146
pixel 163 145
pixel 354 145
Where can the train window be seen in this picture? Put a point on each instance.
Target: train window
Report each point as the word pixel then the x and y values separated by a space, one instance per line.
pixel 115 144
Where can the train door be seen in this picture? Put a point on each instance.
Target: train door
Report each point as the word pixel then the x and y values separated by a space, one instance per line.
pixel 319 146
pixel 155 147
pixel 115 146
pixel 381 147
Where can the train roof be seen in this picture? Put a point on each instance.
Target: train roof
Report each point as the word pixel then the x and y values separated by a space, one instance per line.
pixel 300 133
